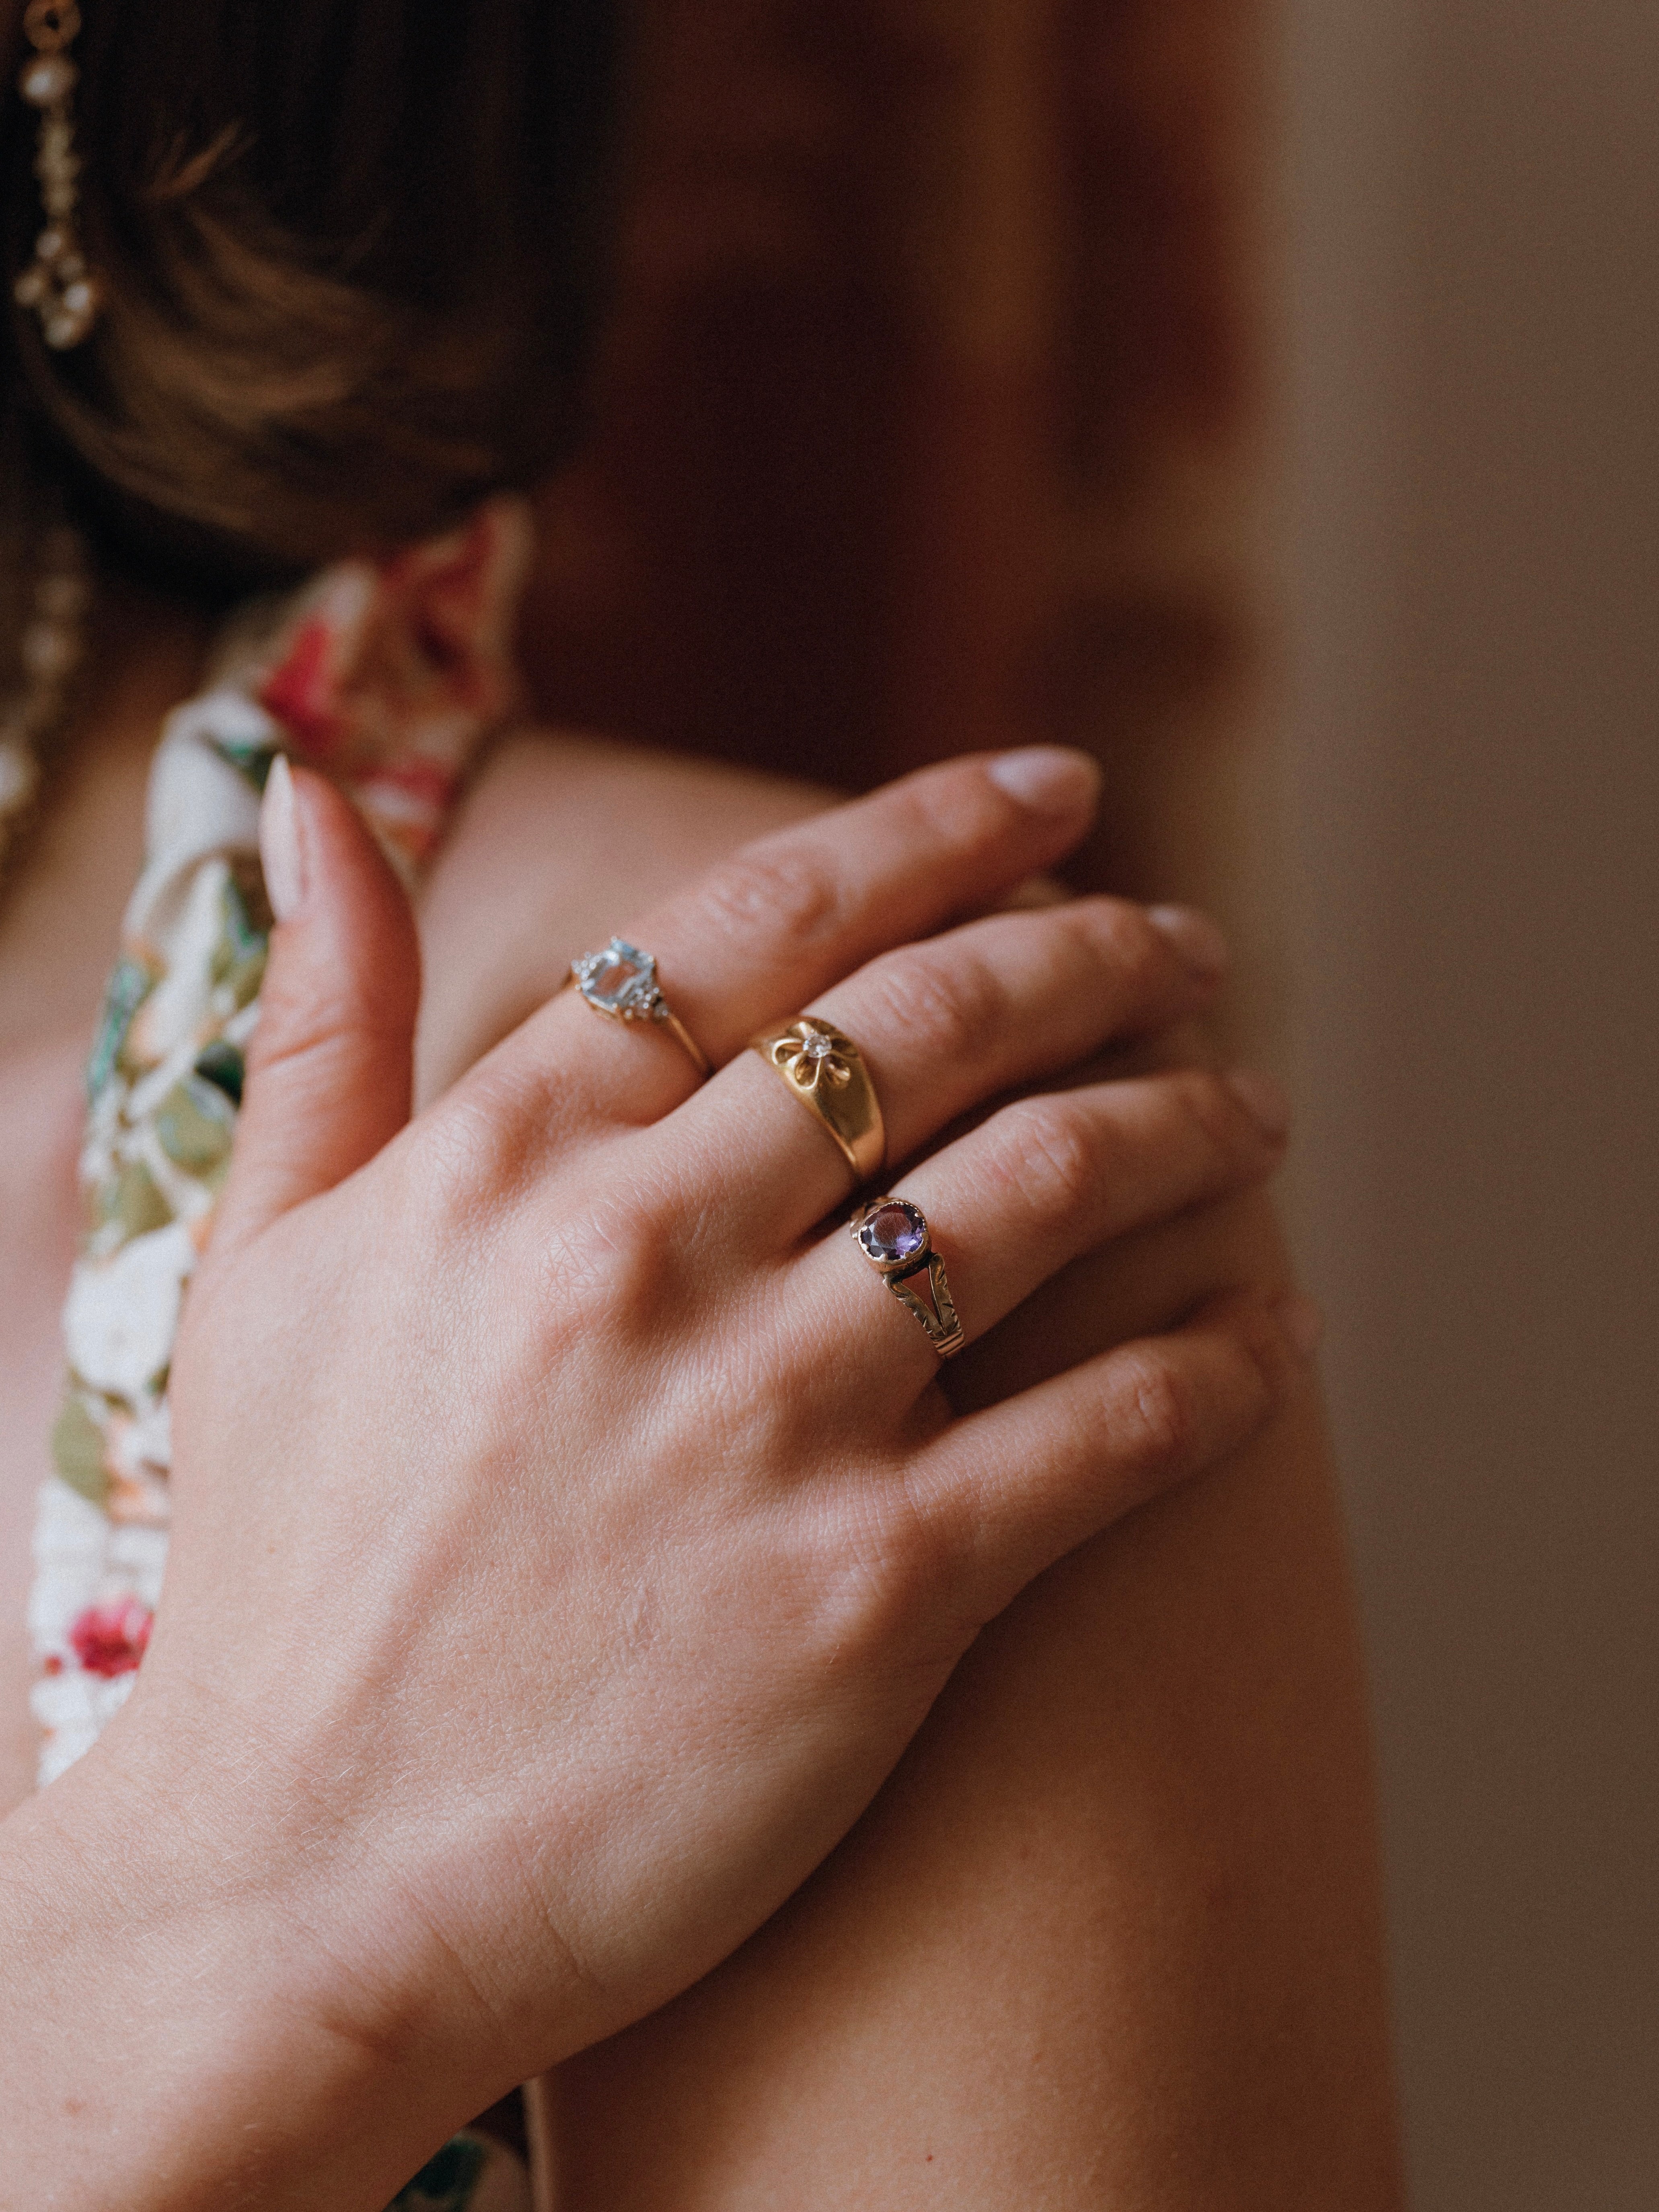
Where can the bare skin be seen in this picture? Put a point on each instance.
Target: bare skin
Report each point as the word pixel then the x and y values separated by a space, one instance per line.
pixel 1111 1935
pixel 1143 1793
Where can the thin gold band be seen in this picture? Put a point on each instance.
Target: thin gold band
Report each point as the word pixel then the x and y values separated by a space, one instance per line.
pixel 677 1028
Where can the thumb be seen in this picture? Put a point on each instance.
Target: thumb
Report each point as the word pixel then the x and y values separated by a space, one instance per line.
pixel 330 1061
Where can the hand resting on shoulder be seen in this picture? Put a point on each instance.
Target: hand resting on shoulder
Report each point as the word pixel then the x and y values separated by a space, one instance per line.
pixel 570 1532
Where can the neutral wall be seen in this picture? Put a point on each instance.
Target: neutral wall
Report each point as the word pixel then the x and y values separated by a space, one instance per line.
pixel 1473 817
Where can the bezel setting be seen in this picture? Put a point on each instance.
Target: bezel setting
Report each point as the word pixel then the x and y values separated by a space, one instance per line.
pixel 890 1252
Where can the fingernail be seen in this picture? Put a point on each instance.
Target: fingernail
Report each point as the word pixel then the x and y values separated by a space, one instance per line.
pixel 1303 1323
pixel 1049 779
pixel 1195 938
pixel 279 842
pixel 1263 1100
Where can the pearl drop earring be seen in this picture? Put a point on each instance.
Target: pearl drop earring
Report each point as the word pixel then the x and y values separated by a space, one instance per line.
pixel 57 284
pixel 51 652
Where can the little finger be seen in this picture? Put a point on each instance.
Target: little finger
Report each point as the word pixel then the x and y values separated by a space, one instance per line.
pixel 1011 1490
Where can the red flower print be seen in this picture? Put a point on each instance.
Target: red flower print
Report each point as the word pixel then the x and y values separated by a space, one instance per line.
pixel 110 1639
pixel 303 693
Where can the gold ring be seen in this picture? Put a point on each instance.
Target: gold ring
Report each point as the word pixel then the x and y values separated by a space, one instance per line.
pixel 621 983
pixel 894 1237
pixel 826 1072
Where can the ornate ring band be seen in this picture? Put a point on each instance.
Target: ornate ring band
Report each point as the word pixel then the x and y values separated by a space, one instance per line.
pixel 894 1237
pixel 825 1071
pixel 621 983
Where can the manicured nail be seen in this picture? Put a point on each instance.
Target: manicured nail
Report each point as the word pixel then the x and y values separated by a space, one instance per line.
pixel 1303 1323
pixel 279 842
pixel 1049 779
pixel 1263 1100
pixel 1194 937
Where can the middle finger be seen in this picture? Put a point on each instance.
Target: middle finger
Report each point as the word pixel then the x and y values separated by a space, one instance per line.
pixel 942 1025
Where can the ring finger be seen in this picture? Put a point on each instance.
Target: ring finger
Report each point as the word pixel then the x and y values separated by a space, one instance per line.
pixel 1043 1180
pixel 941 1026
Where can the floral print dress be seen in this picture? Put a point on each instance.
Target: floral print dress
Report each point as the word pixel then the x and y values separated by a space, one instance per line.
pixel 387 678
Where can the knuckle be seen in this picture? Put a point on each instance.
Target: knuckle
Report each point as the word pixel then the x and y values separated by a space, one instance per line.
pixel 1127 943
pixel 1159 1419
pixel 886 1563
pixel 1264 1367
pixel 313 1017
pixel 1212 1113
pixel 792 892
pixel 951 1011
pixel 473 1149
pixel 1049 1156
pixel 609 1267
pixel 952 807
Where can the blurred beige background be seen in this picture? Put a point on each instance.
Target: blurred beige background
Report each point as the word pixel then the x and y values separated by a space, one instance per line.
pixel 1472 813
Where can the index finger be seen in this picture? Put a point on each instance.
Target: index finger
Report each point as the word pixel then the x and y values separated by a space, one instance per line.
pixel 764 932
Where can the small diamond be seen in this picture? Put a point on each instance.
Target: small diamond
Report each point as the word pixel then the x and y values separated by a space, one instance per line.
pixel 816 1046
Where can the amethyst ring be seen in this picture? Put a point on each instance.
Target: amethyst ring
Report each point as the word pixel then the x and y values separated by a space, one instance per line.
pixel 894 1237
pixel 621 983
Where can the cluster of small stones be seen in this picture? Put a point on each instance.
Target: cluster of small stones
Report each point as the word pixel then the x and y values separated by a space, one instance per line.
pixel 50 654
pixel 57 284
pixel 622 981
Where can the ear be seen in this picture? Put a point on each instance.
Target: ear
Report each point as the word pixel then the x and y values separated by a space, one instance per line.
pixel 445 618
pixel 386 676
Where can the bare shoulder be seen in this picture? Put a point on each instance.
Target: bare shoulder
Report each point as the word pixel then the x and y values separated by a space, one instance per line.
pixel 564 838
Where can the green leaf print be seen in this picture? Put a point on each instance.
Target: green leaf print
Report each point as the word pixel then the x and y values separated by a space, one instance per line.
pixel 444 2183
pixel 252 760
pixel 195 1124
pixel 133 1201
pixel 238 959
pixel 127 989
pixel 77 1449
pixel 223 1065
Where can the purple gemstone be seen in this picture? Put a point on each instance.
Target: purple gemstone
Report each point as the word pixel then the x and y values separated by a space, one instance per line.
pixel 895 1231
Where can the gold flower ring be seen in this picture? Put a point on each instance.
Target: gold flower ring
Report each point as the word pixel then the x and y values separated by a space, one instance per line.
pixel 824 1069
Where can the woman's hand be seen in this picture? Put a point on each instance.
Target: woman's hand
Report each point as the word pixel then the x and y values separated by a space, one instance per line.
pixel 568 1535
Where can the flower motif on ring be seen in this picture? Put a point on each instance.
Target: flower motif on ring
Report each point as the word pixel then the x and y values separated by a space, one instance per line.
pixel 810 1056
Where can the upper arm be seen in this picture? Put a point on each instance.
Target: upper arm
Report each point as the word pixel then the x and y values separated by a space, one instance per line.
pixel 1110 1933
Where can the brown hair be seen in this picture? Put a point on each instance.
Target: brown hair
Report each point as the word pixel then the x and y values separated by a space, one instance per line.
pixel 352 253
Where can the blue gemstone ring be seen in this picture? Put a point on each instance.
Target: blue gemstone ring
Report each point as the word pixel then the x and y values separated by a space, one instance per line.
pixel 621 983
pixel 894 1237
